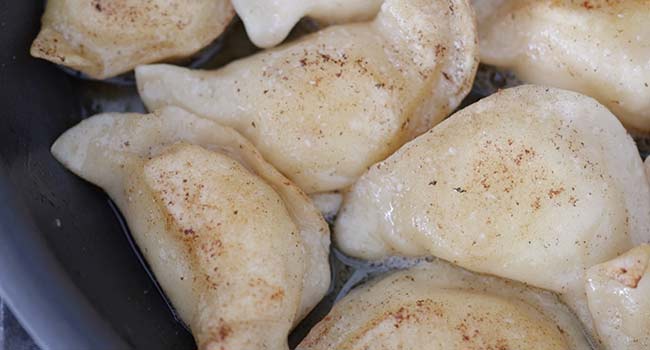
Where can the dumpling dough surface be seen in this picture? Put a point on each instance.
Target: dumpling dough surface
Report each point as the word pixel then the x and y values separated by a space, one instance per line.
pixel 533 184
pixel 324 108
pixel 269 22
pixel 240 251
pixel 619 300
pixel 437 306
pixel 600 48
pixel 104 38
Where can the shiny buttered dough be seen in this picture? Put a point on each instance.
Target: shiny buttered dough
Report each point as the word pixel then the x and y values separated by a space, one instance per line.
pixel 600 48
pixel 619 300
pixel 104 38
pixel 269 22
pixel 437 306
pixel 533 184
pixel 324 108
pixel 240 251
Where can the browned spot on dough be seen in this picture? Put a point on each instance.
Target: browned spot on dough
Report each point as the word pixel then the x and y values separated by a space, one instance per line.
pixel 278 295
pixel 554 192
pixel 536 204
pixel 224 332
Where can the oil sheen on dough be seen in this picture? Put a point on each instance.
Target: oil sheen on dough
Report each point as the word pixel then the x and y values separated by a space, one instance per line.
pixel 103 38
pixel 600 48
pixel 268 22
pixel 533 184
pixel 239 250
pixel 437 306
pixel 324 108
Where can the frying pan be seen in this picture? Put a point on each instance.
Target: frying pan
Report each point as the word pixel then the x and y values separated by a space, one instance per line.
pixel 66 270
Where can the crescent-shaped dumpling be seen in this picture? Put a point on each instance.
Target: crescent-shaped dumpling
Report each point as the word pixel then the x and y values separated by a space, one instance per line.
pixel 600 48
pixel 533 184
pixel 437 306
pixel 269 22
pixel 324 108
pixel 239 250
pixel 619 300
pixel 104 38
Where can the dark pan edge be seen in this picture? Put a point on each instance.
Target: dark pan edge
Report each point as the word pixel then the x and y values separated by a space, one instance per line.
pixel 38 291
